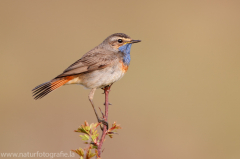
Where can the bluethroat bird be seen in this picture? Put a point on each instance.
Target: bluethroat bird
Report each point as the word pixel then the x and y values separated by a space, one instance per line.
pixel 98 68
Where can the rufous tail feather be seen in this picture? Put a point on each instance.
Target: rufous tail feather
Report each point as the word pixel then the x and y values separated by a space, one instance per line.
pixel 45 88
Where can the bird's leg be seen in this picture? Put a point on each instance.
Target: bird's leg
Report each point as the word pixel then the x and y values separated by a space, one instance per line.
pixel 101 111
pixel 90 96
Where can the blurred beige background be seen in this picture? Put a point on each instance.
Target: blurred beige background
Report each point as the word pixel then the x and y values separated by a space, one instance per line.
pixel 179 99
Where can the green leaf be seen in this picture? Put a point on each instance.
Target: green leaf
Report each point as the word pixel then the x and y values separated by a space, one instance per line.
pixel 90 154
pixel 94 137
pixel 84 137
pixel 87 128
pixel 82 130
pixel 81 152
pixel 94 147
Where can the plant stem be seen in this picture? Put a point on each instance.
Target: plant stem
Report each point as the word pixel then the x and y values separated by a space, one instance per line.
pixel 104 132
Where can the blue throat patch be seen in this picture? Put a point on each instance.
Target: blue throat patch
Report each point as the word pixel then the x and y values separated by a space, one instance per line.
pixel 126 50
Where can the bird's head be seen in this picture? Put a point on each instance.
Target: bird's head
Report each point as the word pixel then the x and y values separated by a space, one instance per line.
pixel 120 42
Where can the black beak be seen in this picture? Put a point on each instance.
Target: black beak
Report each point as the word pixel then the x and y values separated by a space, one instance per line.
pixel 135 41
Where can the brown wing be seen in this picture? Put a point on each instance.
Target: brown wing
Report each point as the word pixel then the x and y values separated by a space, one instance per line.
pixel 93 60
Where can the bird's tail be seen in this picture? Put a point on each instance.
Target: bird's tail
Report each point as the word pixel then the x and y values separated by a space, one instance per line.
pixel 45 88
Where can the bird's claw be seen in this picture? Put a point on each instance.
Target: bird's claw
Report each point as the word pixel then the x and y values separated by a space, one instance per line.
pixel 104 123
pixel 107 88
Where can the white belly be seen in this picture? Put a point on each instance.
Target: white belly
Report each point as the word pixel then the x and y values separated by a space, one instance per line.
pixel 99 78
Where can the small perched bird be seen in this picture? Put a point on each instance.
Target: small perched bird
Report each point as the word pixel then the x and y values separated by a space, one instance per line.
pixel 98 68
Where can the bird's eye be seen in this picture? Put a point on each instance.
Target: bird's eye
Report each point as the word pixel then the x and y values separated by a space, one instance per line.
pixel 120 40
